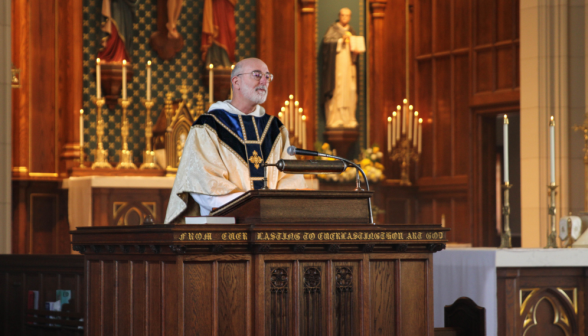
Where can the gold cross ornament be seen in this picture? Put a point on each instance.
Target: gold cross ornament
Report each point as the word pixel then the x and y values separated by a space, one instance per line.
pixel 256 160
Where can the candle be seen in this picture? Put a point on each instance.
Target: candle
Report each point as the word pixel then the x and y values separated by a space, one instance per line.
pixel 297 121
pixel 505 148
pixel 81 129
pixel 124 81
pixel 389 134
pixel 409 116
pixel 98 81
pixel 303 131
pixel 149 81
pixel 288 115
pixel 291 112
pixel 404 112
pixel 210 82
pixel 552 149
pixel 420 142
pixel 416 119
pixel 398 122
pixel 394 135
pixel 299 118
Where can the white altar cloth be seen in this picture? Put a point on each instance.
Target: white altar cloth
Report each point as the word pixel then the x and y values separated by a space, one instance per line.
pixel 79 202
pixel 471 272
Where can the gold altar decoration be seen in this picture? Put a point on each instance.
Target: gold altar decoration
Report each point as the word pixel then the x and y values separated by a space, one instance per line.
pixel 149 154
pixel 101 153
pixel 171 129
pixel 506 237
pixel 551 237
pixel 126 156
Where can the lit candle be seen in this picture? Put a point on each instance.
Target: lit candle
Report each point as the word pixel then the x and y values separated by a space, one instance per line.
pixel 505 148
pixel 124 81
pixel 288 115
pixel 297 121
pixel 148 80
pixel 303 131
pixel 210 82
pixel 291 112
pixel 299 118
pixel 416 119
pixel 409 116
pixel 98 81
pixel 552 149
pixel 420 142
pixel 81 129
pixel 404 112
pixel 389 134
pixel 281 116
pixel 394 123
pixel 398 113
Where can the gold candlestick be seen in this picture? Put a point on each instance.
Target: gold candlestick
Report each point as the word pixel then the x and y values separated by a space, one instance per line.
pixel 405 152
pixel 551 237
pixel 101 153
pixel 126 156
pixel 148 155
pixel 506 238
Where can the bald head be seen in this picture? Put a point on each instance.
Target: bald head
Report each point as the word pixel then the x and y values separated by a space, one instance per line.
pixel 344 16
pixel 248 90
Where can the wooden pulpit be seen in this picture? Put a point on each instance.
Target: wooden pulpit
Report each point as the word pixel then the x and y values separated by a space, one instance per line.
pixel 296 263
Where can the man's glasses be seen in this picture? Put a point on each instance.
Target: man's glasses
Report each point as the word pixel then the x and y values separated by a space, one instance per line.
pixel 257 75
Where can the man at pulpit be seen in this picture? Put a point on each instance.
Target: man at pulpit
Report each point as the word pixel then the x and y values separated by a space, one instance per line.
pixel 225 150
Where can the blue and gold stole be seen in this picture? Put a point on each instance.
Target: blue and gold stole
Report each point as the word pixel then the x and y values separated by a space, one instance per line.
pixel 250 138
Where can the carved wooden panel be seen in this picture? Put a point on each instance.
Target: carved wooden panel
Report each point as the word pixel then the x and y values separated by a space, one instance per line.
pixel 312 304
pixel 279 297
pixel 541 301
pixel 344 300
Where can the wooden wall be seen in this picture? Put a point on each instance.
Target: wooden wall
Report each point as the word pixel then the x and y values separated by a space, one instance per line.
pixel 47 48
pixel 463 66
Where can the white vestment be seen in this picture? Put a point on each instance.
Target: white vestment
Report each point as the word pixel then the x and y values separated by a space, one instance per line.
pixel 212 163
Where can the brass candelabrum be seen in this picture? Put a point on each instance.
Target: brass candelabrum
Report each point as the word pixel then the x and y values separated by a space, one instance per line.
pixel 126 156
pixel 506 237
pixel 101 153
pixel 552 236
pixel 404 152
pixel 149 154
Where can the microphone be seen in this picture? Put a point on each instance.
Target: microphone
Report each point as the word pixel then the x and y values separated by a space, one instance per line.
pixel 297 151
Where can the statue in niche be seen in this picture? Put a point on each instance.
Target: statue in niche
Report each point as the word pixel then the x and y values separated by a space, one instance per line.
pixel 340 50
pixel 174 8
pixel 167 41
pixel 117 25
pixel 219 33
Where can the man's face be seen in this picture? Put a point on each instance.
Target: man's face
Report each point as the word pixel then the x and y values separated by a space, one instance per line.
pixel 344 16
pixel 252 89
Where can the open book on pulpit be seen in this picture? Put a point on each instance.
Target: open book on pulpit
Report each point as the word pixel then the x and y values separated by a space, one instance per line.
pixel 299 207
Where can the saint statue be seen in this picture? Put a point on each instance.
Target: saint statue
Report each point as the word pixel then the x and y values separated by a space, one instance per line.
pixel 339 73
pixel 117 25
pixel 218 33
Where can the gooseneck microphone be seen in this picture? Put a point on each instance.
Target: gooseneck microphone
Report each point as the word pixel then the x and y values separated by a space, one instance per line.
pixel 292 150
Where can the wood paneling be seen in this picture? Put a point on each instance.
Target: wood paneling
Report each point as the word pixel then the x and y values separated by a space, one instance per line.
pixel 39 223
pixel 47 47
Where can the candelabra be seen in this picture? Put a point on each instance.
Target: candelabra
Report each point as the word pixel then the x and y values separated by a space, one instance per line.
pixel 101 153
pixel 506 241
pixel 148 155
pixel 126 156
pixel 551 237
pixel 405 138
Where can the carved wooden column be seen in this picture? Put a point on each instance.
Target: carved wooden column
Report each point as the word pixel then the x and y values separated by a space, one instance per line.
pixel 306 65
pixel 70 80
pixel 377 58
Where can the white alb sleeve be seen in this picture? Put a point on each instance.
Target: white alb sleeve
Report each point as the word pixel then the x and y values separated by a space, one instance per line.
pixel 207 202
